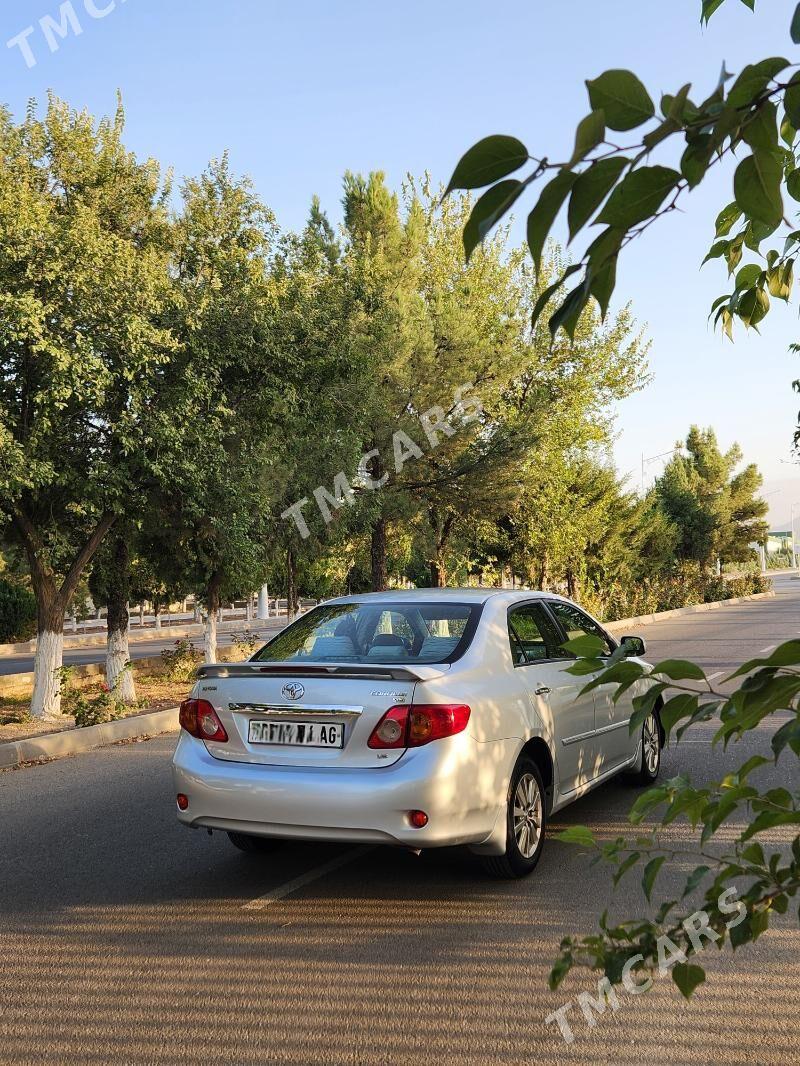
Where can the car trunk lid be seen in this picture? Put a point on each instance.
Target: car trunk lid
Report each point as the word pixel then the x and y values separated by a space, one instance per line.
pixel 319 715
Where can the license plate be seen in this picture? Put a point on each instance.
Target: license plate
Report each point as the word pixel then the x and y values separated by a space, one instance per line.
pixel 297 734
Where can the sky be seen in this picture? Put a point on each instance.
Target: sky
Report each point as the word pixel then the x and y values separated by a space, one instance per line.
pixel 298 92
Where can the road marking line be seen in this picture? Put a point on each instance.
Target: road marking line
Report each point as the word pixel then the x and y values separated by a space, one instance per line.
pixel 305 879
pixel 711 677
pixel 769 647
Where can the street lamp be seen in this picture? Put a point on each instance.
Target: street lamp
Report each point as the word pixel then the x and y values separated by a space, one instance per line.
pixel 794 549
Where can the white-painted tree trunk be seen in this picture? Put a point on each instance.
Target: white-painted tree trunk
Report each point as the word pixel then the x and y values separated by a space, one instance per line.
pixel 263 601
pixel 211 637
pixel 248 608
pixel 158 620
pixel 46 701
pixel 117 658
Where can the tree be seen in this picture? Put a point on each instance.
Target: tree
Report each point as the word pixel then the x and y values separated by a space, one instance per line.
pixel 217 517
pixel 714 508
pixel 83 290
pixel 616 186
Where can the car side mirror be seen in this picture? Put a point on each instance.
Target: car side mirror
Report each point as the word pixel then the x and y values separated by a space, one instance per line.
pixel 634 646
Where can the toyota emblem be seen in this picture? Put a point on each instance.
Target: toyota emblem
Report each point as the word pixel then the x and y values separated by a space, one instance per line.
pixel 293 690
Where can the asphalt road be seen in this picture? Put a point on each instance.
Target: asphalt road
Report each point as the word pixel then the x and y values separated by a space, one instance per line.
pixel 126 938
pixel 139 649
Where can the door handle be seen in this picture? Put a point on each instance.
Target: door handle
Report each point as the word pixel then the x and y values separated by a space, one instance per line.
pixel 542 690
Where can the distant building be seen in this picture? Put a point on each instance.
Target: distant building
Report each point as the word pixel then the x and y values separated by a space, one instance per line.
pixel 779 542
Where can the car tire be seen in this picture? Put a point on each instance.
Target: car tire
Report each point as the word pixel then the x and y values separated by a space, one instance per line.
pixel 252 845
pixel 650 758
pixel 526 819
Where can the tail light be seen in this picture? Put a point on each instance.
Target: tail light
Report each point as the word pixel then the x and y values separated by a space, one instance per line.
pixel 200 719
pixel 411 727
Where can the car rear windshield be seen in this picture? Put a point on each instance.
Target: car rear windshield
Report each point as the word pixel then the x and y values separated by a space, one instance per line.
pixel 415 632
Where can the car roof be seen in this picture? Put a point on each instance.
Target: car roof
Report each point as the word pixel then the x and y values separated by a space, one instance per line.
pixel 447 595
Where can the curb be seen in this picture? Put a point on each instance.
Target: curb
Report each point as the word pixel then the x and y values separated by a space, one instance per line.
pixel 679 612
pixel 73 741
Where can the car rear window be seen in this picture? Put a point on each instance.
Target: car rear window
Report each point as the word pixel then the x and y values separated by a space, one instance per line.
pixel 413 632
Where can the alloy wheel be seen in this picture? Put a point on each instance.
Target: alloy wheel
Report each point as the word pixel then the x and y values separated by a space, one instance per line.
pixel 651 744
pixel 527 815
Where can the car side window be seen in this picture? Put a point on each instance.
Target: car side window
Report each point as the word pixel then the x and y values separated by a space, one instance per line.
pixel 577 624
pixel 532 634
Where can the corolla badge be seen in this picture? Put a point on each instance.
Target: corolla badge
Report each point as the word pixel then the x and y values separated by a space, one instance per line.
pixel 293 690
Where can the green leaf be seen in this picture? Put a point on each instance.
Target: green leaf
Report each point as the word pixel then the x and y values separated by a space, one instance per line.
pixel 650 874
pixel 591 188
pixel 485 162
pixel 788 734
pixel 547 294
pixel 753 307
pixel 794 29
pixel 679 670
pixel 680 706
pixel 793 184
pixel 544 213
pixel 694 879
pixel 726 218
pixel 786 654
pixel 709 7
pixel 791 100
pixel 757 188
pixel 622 97
pixel 602 284
pixel 695 160
pixel 570 311
pixel 687 977
pixel 586 646
pixel 638 196
pixel 717 249
pixel 631 860
pixel 748 276
pixel 590 132
pixel 754 79
pixel 761 132
pixel 780 280
pixel 576 834
pixel 489 209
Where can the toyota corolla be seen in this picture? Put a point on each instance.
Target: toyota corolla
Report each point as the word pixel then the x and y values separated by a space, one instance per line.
pixel 421 719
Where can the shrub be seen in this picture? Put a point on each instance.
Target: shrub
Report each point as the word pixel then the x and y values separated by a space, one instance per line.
pixel 89 710
pixel 181 661
pixel 17 613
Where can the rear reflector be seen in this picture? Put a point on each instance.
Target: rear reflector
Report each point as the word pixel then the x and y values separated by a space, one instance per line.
pixel 411 727
pixel 418 819
pixel 200 719
pixel 183 801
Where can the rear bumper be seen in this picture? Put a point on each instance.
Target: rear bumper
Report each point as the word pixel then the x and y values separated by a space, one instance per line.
pixel 356 804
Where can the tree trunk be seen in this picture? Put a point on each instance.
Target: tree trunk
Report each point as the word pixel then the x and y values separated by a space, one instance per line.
pixel 291 585
pixel 380 570
pixel 118 672
pixel 438 579
pixel 49 658
pixel 157 614
pixel 52 602
pixel 212 606
pixel 263 601
pixel 572 585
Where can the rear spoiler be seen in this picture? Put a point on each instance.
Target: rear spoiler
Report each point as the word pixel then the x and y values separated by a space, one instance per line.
pixel 360 671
